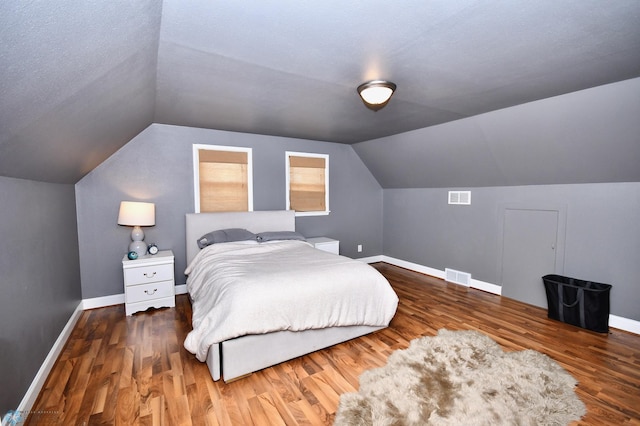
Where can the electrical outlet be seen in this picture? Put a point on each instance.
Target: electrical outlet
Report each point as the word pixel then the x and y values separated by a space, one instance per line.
pixel 359 248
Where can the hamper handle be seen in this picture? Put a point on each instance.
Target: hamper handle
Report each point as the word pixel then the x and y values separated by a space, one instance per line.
pixel 578 299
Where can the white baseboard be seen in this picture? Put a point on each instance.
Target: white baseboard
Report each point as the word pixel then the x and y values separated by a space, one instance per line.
pixel 101 302
pixel 480 285
pixel 621 323
pixel 370 259
pixel 485 286
pixel 626 324
pixel 414 266
pixel 41 376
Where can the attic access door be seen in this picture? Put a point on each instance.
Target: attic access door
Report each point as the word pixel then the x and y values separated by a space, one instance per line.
pixel 531 249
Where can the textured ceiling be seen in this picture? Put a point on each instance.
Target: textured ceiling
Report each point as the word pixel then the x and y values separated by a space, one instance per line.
pixel 80 79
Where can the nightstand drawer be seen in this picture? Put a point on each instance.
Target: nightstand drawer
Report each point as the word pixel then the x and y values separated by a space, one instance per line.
pixel 142 292
pixel 148 274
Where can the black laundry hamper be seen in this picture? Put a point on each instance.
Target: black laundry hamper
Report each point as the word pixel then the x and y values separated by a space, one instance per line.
pixel 578 302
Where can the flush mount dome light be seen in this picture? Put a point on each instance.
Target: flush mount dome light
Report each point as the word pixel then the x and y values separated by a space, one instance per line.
pixel 376 93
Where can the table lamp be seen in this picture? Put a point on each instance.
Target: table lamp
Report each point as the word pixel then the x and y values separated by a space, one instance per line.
pixel 137 214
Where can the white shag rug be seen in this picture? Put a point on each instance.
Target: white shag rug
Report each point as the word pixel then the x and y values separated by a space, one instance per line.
pixel 462 378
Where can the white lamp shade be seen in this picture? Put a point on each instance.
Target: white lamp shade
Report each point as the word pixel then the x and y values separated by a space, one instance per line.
pixel 376 94
pixel 134 213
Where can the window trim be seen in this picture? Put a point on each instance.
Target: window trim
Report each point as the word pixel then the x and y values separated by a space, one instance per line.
pixel 196 171
pixel 288 154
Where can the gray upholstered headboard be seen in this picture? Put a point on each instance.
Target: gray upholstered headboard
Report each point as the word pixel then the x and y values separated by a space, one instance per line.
pixel 198 224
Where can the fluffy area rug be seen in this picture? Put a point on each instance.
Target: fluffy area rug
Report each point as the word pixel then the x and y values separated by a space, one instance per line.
pixel 462 378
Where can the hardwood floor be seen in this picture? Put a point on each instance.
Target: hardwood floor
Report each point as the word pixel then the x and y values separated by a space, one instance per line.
pixel 134 370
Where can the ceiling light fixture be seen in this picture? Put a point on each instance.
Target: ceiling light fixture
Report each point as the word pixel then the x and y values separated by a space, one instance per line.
pixel 376 93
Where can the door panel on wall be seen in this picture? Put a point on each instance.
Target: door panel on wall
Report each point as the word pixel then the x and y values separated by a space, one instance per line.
pixel 530 241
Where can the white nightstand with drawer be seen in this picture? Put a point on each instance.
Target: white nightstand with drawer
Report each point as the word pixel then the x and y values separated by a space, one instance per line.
pixel 326 244
pixel 148 282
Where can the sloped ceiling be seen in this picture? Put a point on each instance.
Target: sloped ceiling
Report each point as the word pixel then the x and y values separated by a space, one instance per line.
pixel 80 79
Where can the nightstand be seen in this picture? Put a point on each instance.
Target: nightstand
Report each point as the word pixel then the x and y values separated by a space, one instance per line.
pixel 325 244
pixel 148 282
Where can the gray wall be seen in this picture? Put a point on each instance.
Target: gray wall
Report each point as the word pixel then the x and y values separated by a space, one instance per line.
pixel 601 241
pixel 157 166
pixel 39 278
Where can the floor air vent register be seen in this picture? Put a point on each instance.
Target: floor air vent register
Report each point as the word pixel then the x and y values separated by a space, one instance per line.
pixel 457 277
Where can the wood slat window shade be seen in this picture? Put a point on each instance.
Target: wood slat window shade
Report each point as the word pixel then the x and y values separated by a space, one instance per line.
pixel 223 180
pixel 307 183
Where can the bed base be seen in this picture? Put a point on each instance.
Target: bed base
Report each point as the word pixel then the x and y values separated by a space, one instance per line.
pixel 235 358
pixel 239 357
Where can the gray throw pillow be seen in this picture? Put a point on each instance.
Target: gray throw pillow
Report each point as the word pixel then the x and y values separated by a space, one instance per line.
pixel 279 235
pixel 225 236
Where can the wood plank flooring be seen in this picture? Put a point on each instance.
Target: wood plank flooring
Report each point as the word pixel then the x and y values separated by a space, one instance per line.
pixel 134 370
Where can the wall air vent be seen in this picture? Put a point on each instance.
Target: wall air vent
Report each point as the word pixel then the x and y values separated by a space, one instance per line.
pixel 457 277
pixel 460 197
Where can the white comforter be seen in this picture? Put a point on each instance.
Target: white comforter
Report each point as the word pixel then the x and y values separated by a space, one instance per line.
pixel 239 289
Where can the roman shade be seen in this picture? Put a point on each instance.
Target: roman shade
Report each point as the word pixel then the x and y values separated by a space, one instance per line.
pixel 223 179
pixel 307 183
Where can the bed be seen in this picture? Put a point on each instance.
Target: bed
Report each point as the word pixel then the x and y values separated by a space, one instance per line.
pixel 231 354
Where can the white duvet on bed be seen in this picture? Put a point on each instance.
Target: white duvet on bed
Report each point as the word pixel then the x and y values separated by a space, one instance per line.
pixel 239 289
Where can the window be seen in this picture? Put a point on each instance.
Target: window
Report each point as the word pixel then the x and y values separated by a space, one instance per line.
pixel 307 183
pixel 223 178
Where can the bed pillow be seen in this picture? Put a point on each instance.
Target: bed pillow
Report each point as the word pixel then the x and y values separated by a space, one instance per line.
pixel 225 236
pixel 263 237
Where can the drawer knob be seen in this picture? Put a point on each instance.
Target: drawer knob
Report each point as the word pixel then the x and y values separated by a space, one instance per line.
pixel 151 292
pixel 149 275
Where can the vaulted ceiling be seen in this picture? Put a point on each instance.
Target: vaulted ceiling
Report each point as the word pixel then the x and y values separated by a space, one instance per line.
pixel 79 79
